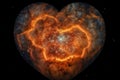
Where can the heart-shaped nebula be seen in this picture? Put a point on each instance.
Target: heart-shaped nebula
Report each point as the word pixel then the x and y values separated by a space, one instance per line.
pixel 59 44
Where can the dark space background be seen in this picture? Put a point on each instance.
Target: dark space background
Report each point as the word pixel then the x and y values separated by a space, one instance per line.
pixel 103 68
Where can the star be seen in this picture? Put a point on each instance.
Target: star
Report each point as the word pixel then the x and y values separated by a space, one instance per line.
pixel 62 38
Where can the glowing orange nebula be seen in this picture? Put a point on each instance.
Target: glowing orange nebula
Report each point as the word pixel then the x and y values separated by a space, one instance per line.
pixel 60 45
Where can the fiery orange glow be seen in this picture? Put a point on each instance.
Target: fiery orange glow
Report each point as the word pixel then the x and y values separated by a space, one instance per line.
pixel 60 31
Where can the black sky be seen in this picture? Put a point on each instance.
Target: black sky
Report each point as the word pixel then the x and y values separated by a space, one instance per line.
pixel 102 68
